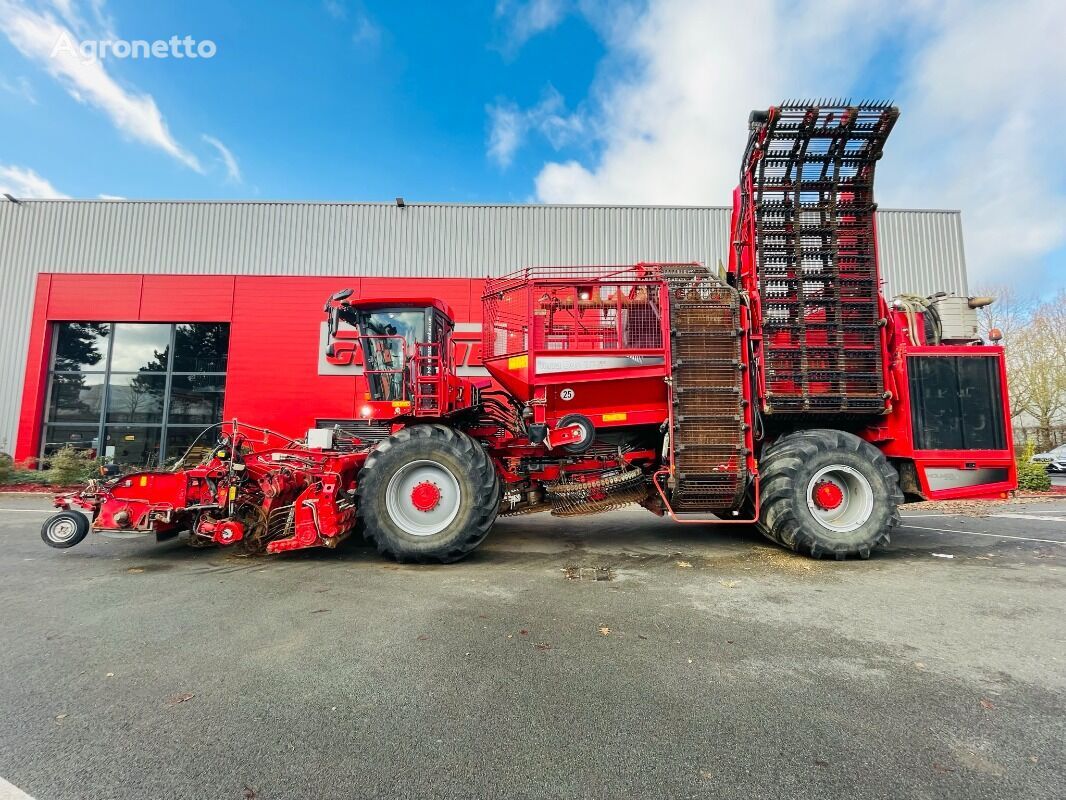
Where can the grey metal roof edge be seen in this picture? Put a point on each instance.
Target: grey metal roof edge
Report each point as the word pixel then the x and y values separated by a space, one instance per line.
pixel 409 204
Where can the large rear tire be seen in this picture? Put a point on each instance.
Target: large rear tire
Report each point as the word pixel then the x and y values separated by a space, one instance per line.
pixel 828 493
pixel 428 493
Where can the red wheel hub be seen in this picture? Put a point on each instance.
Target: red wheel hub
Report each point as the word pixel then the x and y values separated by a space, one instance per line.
pixel 425 496
pixel 229 532
pixel 827 495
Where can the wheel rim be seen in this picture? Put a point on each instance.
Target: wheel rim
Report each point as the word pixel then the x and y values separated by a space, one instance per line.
pixel 840 498
pixel 423 498
pixel 62 530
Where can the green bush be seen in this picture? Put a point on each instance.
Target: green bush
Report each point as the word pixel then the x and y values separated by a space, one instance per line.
pixel 69 467
pixel 1032 475
pixel 21 474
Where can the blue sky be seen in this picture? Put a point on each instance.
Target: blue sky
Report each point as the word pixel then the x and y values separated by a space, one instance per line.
pixel 540 100
pixel 316 101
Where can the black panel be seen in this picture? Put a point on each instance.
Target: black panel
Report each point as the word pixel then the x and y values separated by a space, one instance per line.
pixel 196 399
pixel 119 381
pixel 80 437
pixel 956 403
pixel 201 347
pixel 981 403
pixel 81 346
pixel 75 397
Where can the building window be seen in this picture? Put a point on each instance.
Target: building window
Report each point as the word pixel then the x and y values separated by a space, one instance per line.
pixel 134 393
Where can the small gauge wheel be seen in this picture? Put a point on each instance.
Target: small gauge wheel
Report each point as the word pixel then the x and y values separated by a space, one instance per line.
pixel 588 433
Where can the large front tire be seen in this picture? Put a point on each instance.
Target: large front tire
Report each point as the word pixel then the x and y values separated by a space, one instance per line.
pixel 428 493
pixel 828 493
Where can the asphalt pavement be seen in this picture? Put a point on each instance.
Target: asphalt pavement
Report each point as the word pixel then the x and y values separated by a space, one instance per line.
pixel 610 656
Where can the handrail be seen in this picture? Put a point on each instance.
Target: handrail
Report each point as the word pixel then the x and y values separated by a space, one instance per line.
pixel 428 370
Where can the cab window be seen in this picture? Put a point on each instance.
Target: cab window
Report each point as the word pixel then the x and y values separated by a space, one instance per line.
pixel 387 338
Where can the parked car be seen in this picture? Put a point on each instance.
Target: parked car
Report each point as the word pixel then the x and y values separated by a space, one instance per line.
pixel 1054 458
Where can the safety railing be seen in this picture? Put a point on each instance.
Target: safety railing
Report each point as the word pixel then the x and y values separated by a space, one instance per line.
pixel 556 314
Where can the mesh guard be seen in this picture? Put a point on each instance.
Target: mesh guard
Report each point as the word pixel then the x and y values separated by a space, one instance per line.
pixel 807 184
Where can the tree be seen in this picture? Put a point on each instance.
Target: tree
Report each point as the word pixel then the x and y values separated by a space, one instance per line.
pixel 77 348
pixel 1009 313
pixel 201 347
pixel 148 384
pixel 1034 335
pixel 1038 373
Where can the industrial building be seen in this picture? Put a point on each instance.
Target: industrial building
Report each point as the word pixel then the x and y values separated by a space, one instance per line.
pixel 129 326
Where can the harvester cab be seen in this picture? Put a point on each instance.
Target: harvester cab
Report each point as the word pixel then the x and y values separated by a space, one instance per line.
pixel 403 349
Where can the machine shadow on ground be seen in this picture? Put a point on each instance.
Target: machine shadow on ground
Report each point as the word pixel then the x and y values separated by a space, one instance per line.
pixel 627 537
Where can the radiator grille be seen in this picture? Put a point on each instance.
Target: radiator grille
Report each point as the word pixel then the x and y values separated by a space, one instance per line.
pixel 356 432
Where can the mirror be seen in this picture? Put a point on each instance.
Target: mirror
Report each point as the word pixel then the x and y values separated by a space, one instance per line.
pixel 343 294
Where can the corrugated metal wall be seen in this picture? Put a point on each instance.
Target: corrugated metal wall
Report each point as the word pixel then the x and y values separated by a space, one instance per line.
pixel 921 251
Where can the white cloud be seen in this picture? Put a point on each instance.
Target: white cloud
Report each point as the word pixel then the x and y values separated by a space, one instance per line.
pixel 366 33
pixel 135 114
pixel 671 114
pixel 507 131
pixel 980 88
pixel 23 183
pixel 335 8
pixel 233 170
pixel 982 103
pixel 96 24
pixel 20 87
pixel 110 197
pixel 510 125
pixel 524 20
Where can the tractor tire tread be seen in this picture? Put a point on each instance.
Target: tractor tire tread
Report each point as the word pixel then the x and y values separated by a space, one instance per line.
pixel 787 522
pixel 483 478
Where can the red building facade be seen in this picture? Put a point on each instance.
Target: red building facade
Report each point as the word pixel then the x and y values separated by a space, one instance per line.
pixel 274 369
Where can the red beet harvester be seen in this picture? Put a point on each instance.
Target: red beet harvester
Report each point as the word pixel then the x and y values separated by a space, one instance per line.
pixel 782 391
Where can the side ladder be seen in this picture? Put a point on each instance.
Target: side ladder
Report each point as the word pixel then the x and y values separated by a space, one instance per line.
pixel 428 379
pixel 708 428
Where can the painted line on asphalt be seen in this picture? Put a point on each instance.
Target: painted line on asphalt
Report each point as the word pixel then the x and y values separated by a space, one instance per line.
pixel 1040 517
pixel 915 516
pixel 30 510
pixel 8 791
pixel 979 533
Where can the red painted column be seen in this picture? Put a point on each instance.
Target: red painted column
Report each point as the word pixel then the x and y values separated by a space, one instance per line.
pixel 35 381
